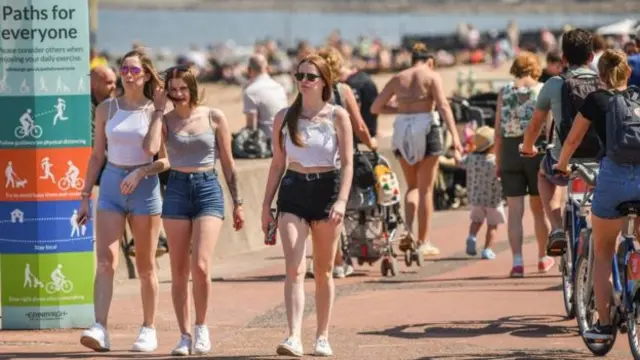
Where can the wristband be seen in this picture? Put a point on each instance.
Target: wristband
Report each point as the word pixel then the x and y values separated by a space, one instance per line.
pixel 85 195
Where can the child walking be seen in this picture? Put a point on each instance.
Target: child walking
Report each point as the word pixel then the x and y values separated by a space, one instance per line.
pixel 484 191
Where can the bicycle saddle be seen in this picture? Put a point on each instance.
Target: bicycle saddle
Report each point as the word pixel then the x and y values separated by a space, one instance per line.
pixel 629 207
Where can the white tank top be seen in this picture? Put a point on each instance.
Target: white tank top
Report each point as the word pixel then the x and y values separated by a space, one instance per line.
pixel 320 142
pixel 125 132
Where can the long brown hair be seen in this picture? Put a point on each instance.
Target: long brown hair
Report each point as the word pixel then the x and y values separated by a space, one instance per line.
pixel 292 116
pixel 154 80
pixel 184 73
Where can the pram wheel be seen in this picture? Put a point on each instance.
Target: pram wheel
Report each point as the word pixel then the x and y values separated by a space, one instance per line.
pixel 389 267
pixel 411 256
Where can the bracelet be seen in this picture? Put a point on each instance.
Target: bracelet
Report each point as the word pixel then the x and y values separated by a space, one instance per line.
pixel 85 195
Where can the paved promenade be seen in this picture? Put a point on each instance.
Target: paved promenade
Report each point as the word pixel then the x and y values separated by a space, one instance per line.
pixel 453 308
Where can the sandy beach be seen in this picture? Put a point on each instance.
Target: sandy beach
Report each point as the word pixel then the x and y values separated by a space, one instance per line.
pixel 229 98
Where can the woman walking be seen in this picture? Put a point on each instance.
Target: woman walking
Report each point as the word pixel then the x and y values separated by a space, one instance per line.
pixel 193 207
pixel 417 137
pixel 314 144
pixel 129 190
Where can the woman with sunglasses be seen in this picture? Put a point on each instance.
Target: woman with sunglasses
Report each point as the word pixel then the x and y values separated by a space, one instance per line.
pixel 193 207
pixel 314 144
pixel 129 190
pixel 417 137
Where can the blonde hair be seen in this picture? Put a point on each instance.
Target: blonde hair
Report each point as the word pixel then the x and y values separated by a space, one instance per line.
pixel 613 68
pixel 526 64
pixel 334 60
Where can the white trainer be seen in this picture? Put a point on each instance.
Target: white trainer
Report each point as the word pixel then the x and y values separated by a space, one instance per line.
pixel 96 338
pixel 322 347
pixel 290 347
pixel 183 348
pixel 147 341
pixel 202 340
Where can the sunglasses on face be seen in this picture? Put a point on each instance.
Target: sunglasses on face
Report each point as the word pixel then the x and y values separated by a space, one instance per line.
pixel 134 70
pixel 310 77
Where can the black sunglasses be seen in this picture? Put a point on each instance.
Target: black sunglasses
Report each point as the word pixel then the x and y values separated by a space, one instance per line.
pixel 310 77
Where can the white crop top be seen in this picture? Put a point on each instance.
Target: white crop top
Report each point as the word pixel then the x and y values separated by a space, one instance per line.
pixel 320 142
pixel 125 132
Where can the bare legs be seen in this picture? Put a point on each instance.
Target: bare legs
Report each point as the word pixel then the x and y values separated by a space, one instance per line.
pixel 294 232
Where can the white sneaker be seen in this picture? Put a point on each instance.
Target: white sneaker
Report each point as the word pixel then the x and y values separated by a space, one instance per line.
pixel 147 340
pixel 322 347
pixel 183 348
pixel 348 270
pixel 290 347
pixel 202 341
pixel 96 338
pixel 338 272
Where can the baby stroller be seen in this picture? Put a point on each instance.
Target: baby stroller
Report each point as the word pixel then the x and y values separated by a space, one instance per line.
pixel 372 224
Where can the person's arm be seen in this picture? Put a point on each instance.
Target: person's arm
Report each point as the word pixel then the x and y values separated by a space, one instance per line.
pixel 223 138
pixel 497 136
pixel 381 103
pixel 540 116
pixel 578 130
pixel 345 144
pixel 97 158
pixel 443 104
pixel 158 166
pixel 250 110
pixel 357 122
pixel 278 161
pixel 153 139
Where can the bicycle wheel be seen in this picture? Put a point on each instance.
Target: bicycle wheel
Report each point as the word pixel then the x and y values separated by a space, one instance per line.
pixel 36 131
pixel 566 264
pixel 64 184
pixel 632 331
pixel 19 132
pixel 79 185
pixel 50 288
pixel 586 309
pixel 66 286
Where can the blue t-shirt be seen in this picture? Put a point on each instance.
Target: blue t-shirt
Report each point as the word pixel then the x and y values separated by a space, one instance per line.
pixel 634 62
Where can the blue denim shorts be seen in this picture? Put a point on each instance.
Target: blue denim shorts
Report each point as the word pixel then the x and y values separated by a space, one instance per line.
pixel 615 184
pixel 144 200
pixel 189 196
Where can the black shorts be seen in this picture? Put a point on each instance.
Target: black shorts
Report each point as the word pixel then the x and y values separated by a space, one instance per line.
pixel 308 196
pixel 434 145
pixel 519 174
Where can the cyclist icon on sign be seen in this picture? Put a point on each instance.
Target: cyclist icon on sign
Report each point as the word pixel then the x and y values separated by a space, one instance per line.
pixel 58 282
pixel 27 127
pixel 71 179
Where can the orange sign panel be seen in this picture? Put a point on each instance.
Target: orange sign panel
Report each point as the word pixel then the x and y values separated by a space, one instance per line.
pixel 43 174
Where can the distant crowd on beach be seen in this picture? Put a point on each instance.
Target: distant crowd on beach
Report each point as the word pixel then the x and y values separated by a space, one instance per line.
pixel 227 63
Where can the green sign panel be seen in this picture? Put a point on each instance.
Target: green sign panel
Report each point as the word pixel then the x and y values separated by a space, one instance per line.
pixel 44 121
pixel 46 272
pixel 45 286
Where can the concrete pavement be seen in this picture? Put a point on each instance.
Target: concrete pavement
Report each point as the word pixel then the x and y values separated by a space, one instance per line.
pixel 453 308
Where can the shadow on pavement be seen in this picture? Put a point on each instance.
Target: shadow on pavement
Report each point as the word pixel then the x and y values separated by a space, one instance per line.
pixel 528 326
pixel 118 355
pixel 514 354
pixel 473 278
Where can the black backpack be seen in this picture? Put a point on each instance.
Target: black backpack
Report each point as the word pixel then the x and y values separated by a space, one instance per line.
pixel 575 89
pixel 623 127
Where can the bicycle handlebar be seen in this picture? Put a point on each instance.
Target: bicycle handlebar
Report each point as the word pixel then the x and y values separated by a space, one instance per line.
pixel 585 172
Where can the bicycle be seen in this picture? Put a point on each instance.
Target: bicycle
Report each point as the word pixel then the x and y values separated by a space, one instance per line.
pixel 625 308
pixel 65 183
pixel 34 130
pixel 576 211
pixel 64 285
